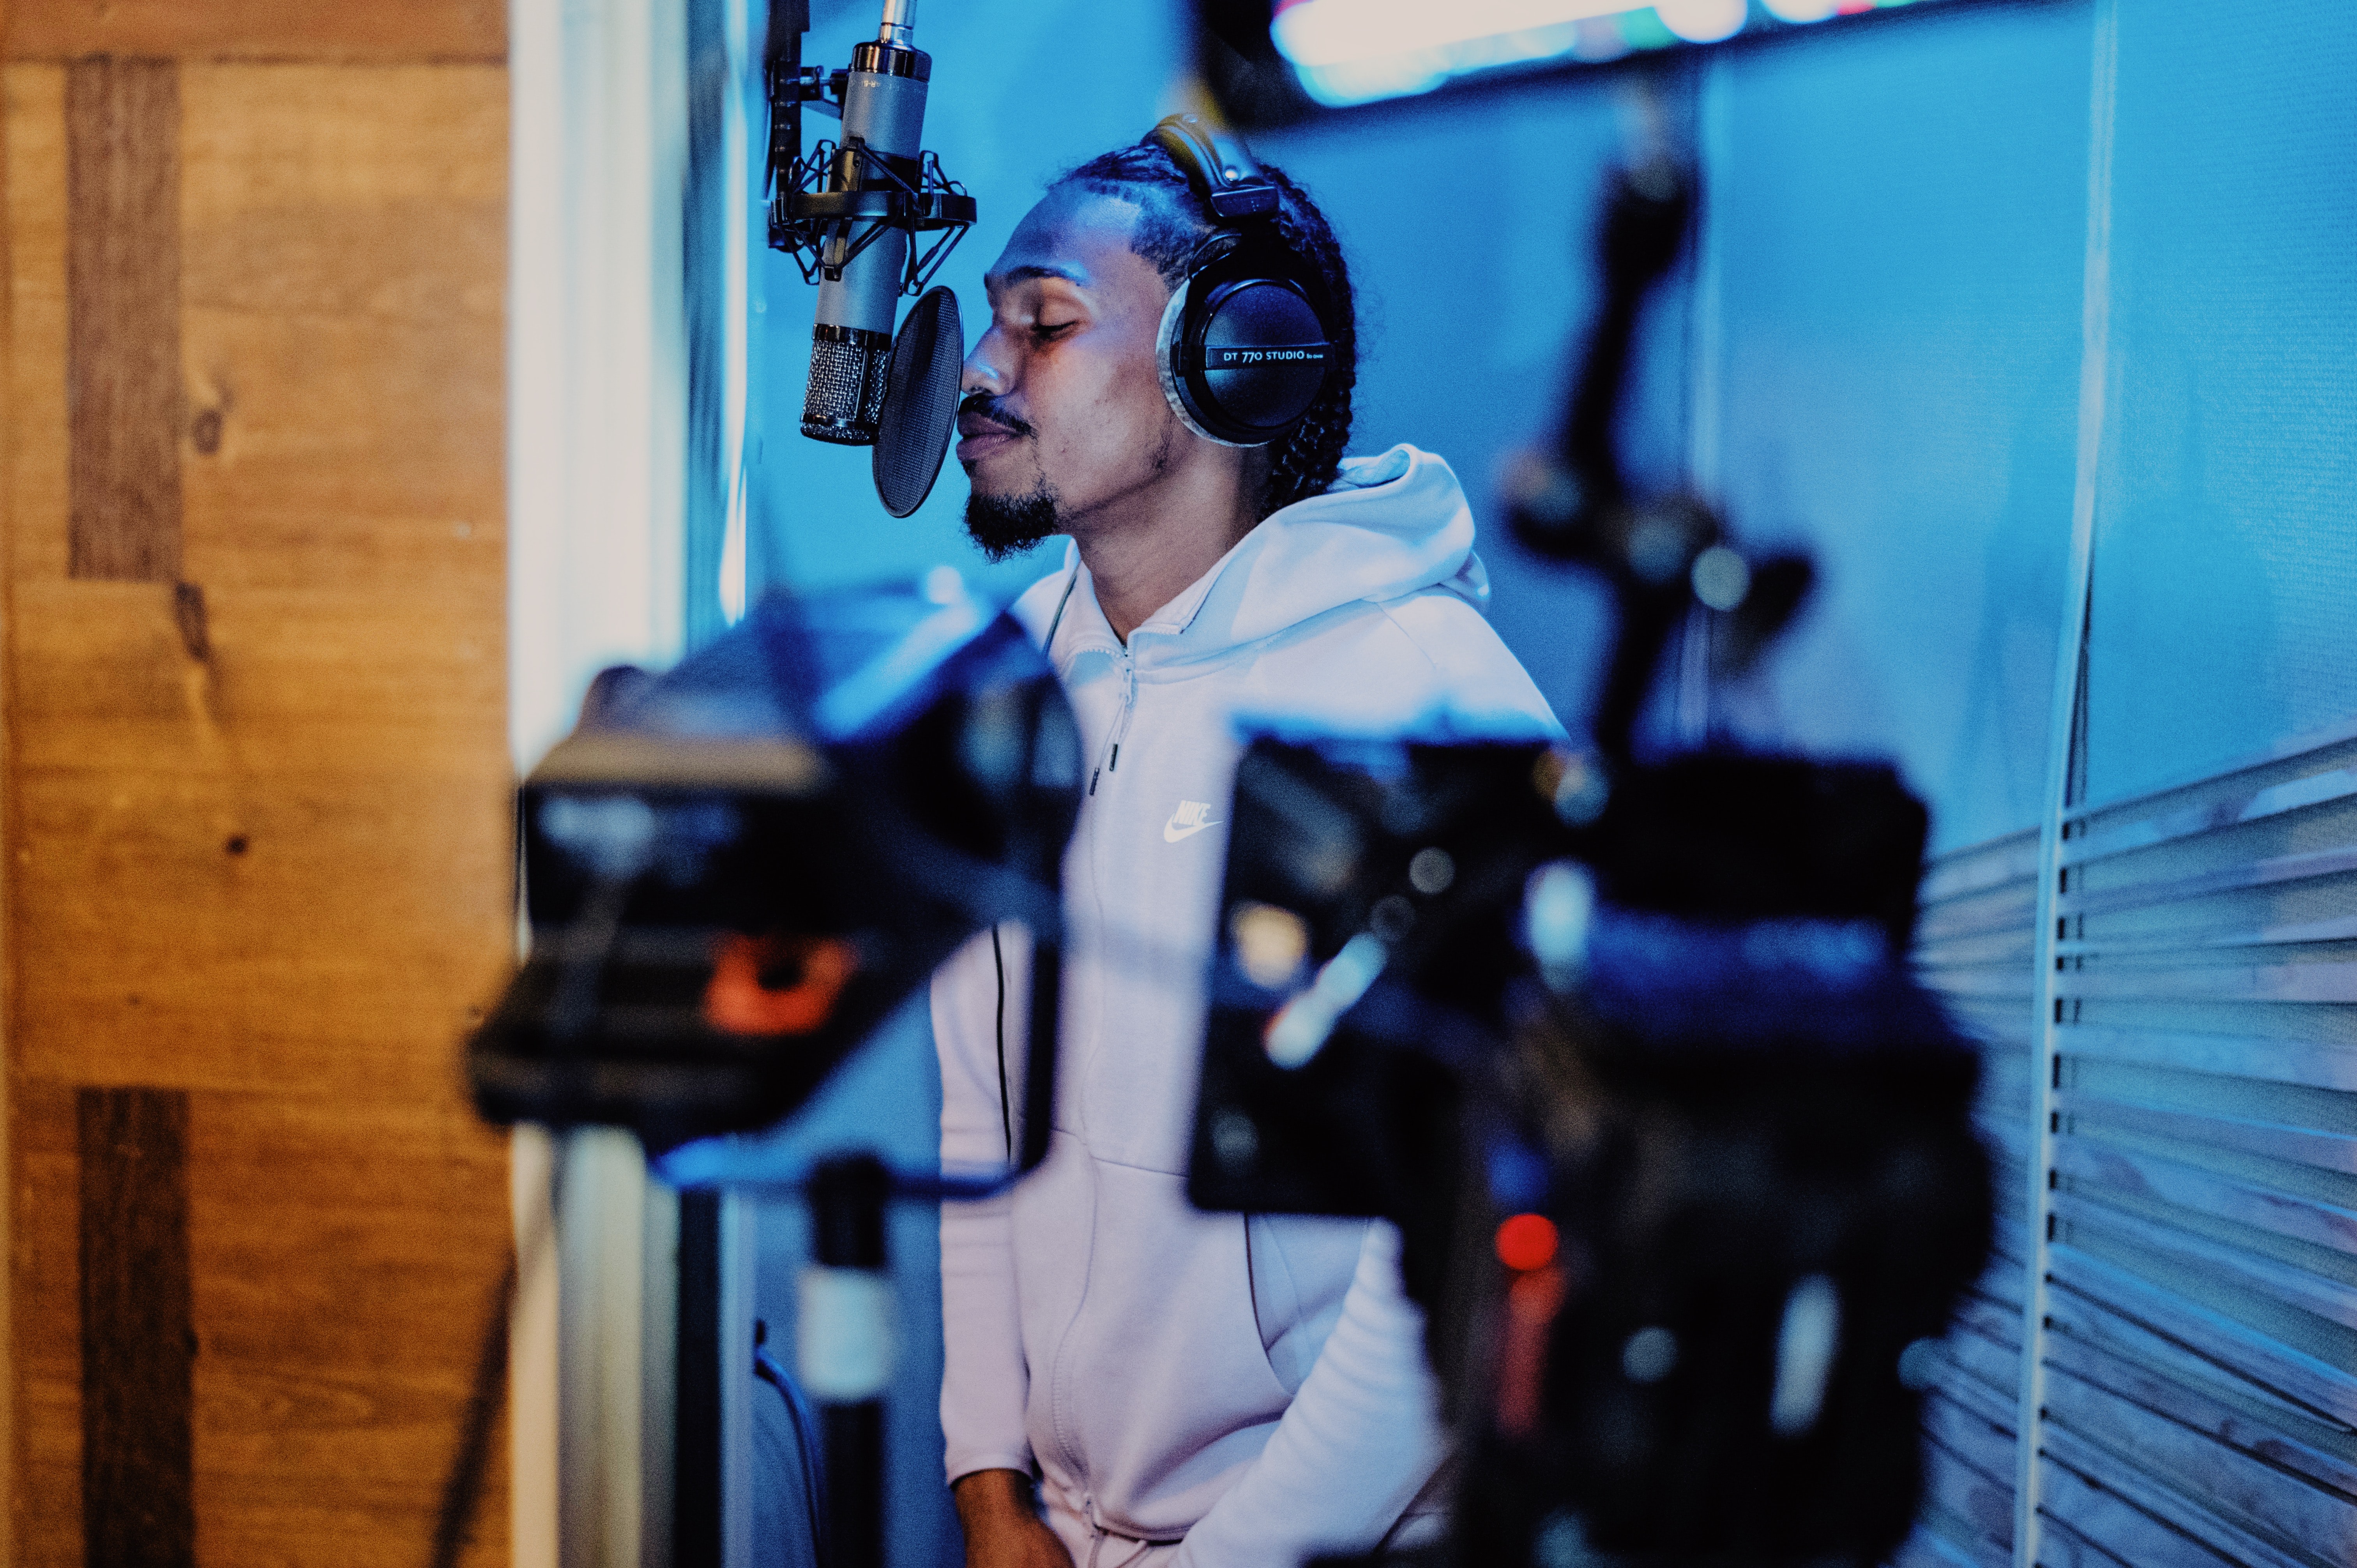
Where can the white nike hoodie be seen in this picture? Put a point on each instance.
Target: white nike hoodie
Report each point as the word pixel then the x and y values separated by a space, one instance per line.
pixel 1239 1392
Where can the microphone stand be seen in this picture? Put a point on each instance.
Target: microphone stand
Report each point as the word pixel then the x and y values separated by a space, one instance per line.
pixel 845 1348
pixel 845 1339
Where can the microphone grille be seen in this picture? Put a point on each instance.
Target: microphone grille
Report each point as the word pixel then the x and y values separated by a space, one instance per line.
pixel 844 400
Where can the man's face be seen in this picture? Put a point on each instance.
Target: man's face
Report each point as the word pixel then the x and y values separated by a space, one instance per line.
pixel 1063 413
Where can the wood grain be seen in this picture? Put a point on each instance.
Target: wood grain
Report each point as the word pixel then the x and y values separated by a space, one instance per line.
pixel 261 855
pixel 38 465
pixel 46 1305
pixel 357 30
pixel 347 1264
pixel 138 1337
pixel 123 370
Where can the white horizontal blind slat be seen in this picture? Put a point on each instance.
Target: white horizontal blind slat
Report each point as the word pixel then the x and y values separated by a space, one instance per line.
pixel 2200 1362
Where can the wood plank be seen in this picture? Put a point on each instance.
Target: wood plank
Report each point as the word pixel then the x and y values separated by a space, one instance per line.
pixel 351 1259
pixel 358 919
pixel 345 233
pixel 139 1334
pixel 122 197
pixel 124 317
pixel 297 683
pixel 46 1291
pixel 2119 1475
pixel 259 29
pixel 38 465
pixel 2195 1403
pixel 2288 1511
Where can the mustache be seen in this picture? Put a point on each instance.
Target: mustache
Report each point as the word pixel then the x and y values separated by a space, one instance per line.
pixel 983 405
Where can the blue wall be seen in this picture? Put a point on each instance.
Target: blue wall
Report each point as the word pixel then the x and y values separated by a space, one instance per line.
pixel 1900 227
pixel 2226 560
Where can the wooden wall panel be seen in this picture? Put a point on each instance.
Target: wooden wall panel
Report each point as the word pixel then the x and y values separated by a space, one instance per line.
pixel 257 817
pixel 122 305
pixel 138 1330
pixel 44 1305
pixel 259 29
pixel 340 1249
pixel 38 454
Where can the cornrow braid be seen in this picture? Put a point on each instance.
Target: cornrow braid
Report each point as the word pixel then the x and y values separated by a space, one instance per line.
pixel 1173 222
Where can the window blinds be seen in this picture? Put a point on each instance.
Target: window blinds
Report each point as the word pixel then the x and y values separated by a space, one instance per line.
pixel 1976 944
pixel 2193 1250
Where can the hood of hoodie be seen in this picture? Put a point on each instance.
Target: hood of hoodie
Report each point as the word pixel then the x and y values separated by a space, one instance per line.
pixel 1391 526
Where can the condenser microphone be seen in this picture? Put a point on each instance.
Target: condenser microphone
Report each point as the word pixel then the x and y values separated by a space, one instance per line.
pixel 862 266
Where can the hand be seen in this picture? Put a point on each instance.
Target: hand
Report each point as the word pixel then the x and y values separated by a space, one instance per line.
pixel 1003 1530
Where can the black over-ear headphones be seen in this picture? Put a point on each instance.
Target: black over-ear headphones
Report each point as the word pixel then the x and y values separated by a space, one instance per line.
pixel 1244 349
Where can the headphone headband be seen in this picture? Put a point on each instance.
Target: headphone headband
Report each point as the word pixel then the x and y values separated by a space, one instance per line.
pixel 1219 166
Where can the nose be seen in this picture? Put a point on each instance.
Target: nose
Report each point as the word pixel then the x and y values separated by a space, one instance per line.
pixel 979 374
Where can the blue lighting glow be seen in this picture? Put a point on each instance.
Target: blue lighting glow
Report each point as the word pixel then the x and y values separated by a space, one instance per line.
pixel 1357 51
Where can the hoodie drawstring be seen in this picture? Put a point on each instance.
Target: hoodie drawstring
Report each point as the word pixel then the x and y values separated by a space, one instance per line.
pixel 1140 1546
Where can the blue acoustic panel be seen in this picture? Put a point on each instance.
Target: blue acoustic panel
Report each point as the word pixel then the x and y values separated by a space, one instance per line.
pixel 2225 564
pixel 1467 222
pixel 1900 228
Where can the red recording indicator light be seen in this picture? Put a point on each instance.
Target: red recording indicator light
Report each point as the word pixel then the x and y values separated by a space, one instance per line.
pixel 1526 1242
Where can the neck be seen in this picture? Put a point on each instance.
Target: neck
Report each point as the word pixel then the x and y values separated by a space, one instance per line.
pixel 1142 549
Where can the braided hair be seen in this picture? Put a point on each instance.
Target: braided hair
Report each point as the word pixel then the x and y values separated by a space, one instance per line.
pixel 1173 222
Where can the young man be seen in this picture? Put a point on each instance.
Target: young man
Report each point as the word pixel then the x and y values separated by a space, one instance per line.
pixel 1186 1387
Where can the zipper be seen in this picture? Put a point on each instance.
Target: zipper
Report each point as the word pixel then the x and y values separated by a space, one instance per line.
pixel 1120 732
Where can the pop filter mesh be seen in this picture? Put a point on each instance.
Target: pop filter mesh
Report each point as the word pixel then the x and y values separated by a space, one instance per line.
pixel 920 402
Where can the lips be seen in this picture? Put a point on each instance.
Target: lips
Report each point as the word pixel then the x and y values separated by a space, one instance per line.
pixel 980 437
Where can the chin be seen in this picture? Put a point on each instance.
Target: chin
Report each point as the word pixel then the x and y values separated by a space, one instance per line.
pixel 1003 525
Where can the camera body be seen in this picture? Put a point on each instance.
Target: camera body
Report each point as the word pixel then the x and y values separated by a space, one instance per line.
pixel 735 871
pixel 1681 1153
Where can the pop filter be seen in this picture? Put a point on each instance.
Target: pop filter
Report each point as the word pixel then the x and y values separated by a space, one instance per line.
pixel 921 395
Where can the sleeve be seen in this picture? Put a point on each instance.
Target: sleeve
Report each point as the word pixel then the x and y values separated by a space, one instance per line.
pixel 984 1381
pixel 1354 1448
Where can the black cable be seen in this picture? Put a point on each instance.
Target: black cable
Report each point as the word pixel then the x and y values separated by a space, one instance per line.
pixel 462 1490
pixel 1006 1100
pixel 806 1435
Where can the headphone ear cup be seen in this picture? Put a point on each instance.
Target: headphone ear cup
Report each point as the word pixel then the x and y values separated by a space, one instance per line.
pixel 1167 338
pixel 1262 353
pixel 1241 350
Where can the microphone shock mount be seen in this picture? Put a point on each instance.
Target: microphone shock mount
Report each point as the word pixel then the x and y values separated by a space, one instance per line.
pixel 832 205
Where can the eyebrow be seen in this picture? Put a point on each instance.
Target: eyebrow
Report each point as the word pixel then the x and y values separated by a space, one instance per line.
pixel 1028 270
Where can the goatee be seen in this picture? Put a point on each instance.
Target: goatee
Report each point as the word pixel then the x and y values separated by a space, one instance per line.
pixel 1002 526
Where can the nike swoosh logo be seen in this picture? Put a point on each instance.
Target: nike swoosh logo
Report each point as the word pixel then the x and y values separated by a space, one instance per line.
pixel 1172 832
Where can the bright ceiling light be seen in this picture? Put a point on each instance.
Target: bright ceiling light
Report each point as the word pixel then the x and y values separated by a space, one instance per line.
pixel 1358 51
pixel 1702 21
pixel 1322 33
